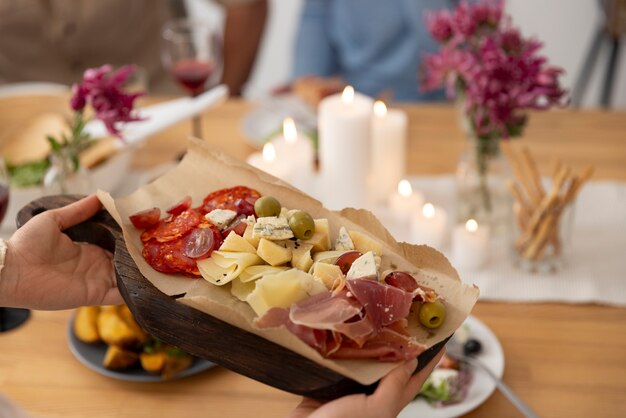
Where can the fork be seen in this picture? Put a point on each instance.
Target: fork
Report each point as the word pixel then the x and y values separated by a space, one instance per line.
pixel 455 349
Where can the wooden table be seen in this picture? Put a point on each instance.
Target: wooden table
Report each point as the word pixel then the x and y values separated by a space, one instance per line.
pixel 564 360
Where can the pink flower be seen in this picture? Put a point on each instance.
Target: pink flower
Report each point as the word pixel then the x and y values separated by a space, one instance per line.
pixel 500 72
pixel 439 25
pixel 103 90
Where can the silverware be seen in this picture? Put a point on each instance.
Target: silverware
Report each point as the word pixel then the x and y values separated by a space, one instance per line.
pixel 455 349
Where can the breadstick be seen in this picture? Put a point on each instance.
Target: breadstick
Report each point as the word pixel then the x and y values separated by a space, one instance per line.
pixel 531 168
pixel 576 184
pixel 548 202
pixel 541 237
pixel 518 171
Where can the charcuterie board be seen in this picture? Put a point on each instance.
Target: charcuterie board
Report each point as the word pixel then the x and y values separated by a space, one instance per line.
pixel 199 333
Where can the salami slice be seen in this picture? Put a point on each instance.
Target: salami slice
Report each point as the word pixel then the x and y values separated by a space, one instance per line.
pixel 173 227
pixel 169 257
pixel 227 198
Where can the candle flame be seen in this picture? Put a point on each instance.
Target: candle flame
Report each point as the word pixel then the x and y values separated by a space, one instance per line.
pixel 428 210
pixel 404 188
pixel 348 95
pixel 289 131
pixel 380 109
pixel 471 225
pixel 269 152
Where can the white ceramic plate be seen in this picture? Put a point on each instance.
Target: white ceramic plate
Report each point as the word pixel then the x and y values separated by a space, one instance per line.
pixel 266 119
pixel 481 387
pixel 91 355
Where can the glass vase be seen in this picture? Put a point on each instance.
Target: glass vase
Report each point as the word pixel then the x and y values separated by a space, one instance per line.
pixel 66 176
pixel 481 176
pixel 541 240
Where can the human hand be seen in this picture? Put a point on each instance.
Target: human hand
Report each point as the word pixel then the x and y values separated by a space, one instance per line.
pixel 45 269
pixel 393 393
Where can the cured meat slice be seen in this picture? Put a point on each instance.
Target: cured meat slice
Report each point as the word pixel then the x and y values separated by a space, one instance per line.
pixel 174 227
pixel 324 311
pixel 275 317
pixel 387 345
pixel 383 304
pixel 169 257
pixel 227 198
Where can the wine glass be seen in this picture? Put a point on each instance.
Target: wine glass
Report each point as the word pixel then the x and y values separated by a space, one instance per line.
pixel 192 53
pixel 9 317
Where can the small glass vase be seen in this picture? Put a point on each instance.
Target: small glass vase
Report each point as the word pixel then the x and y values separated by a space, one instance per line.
pixel 66 176
pixel 540 244
pixel 481 176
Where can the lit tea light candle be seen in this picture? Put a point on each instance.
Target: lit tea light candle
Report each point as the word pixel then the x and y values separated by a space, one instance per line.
pixel 266 161
pixel 295 150
pixel 470 245
pixel 344 149
pixel 429 226
pixel 389 127
pixel 405 201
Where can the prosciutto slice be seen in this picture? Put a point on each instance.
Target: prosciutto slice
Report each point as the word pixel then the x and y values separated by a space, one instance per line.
pixel 383 304
pixel 324 310
pixel 387 345
pixel 276 317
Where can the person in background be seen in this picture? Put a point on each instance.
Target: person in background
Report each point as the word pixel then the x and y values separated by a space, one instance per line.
pixel 56 40
pixel 42 268
pixel 373 45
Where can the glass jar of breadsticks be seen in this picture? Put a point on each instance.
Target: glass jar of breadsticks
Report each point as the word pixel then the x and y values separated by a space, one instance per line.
pixel 543 211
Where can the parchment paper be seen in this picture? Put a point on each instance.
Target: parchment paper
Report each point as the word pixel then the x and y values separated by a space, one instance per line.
pixel 205 169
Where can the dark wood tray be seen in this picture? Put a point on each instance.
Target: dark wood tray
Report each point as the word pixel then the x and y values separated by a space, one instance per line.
pixel 198 333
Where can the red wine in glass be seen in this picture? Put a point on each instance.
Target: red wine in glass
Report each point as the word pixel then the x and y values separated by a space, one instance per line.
pixel 192 74
pixel 9 317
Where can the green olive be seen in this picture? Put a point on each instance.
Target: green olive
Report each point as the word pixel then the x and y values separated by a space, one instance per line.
pixel 267 206
pixel 302 224
pixel 432 314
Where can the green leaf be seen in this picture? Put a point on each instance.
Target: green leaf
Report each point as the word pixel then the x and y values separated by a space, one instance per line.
pixel 54 144
pixel 29 174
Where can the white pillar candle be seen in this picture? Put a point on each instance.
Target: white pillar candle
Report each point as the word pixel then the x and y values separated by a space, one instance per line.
pixel 405 202
pixel 267 162
pixel 470 245
pixel 428 226
pixel 389 129
pixel 296 150
pixel 344 149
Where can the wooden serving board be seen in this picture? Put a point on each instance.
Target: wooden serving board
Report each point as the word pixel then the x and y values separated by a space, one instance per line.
pixel 197 332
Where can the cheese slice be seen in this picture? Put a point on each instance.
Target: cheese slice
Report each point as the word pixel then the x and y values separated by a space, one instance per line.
pixel 300 254
pixel 223 266
pixel 241 290
pixel 256 272
pixel 272 253
pixel 248 236
pixel 328 256
pixel 283 290
pixel 363 243
pixel 364 266
pixel 221 217
pixel 236 243
pixel 329 274
pixel 343 241
pixel 272 228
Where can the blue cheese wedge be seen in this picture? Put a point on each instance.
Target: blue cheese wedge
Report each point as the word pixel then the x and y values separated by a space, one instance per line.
pixel 343 241
pixel 221 217
pixel 364 266
pixel 272 228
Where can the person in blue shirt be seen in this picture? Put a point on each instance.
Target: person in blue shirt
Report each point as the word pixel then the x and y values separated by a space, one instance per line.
pixel 374 45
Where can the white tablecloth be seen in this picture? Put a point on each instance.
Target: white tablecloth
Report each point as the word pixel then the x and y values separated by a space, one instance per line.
pixel 595 269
